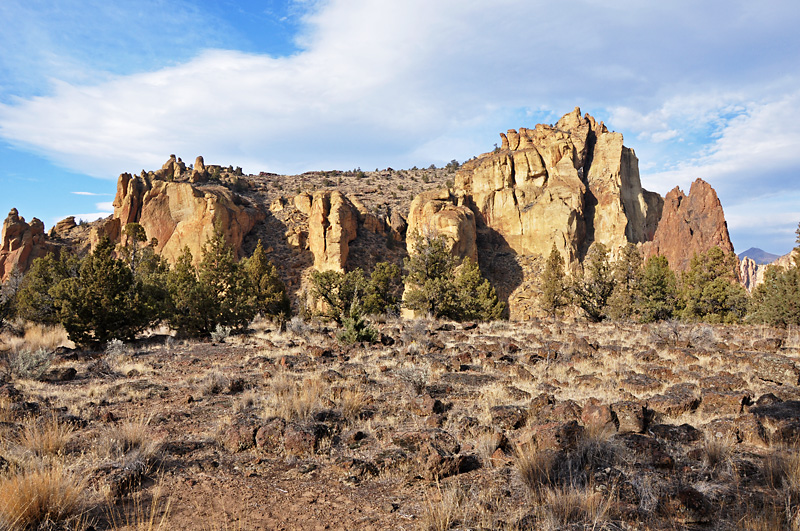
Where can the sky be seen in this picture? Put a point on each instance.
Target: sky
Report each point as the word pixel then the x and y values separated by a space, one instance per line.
pixel 699 89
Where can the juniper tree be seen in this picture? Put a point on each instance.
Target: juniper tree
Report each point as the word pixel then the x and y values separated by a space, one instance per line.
pixel 440 285
pixel 270 292
pixel 776 301
pixel 627 272
pixel 34 301
pixel 385 290
pixel 554 293
pixel 710 291
pixel 657 293
pixel 592 291
pixel 102 302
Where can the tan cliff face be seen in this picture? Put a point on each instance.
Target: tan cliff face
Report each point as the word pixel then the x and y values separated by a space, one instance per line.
pixel 180 214
pixel 332 225
pixel 567 184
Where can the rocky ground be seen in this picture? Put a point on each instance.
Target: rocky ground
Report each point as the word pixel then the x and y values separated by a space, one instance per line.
pixel 536 425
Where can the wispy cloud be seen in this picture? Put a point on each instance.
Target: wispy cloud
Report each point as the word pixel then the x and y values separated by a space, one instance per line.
pixel 91 194
pixel 373 84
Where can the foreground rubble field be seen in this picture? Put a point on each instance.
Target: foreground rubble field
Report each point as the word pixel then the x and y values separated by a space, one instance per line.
pixel 536 425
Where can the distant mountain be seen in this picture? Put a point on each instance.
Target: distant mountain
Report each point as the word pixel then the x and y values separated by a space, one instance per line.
pixel 759 256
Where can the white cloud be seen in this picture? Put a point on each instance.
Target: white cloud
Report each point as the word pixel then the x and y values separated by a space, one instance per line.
pixel 106 206
pixel 92 194
pixel 398 84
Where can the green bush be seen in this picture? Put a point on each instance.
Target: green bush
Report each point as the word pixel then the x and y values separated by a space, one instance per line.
pixel 103 301
pixel 592 291
pixel 627 274
pixel 440 286
pixel 554 294
pixel 656 296
pixel 776 301
pixel 710 290
pixel 218 292
pixel 35 300
pixel 269 290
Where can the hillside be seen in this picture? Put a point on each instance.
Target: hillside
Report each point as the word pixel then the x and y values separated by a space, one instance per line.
pixel 759 256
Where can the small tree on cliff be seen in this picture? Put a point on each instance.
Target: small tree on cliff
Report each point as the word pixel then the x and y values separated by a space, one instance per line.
pixel 554 294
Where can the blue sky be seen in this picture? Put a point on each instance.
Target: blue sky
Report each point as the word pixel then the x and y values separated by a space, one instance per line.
pixel 704 89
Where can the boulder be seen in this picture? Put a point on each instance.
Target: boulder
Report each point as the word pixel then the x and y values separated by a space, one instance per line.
pixel 689 225
pixel 332 225
pixel 22 243
pixel 62 228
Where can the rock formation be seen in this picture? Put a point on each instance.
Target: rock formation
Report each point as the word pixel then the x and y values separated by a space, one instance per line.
pixel 568 185
pixel 180 214
pixel 689 225
pixel 63 227
pixel 22 244
pixel 199 172
pixel 749 273
pixel 332 225
pixel 752 274
pixel 436 213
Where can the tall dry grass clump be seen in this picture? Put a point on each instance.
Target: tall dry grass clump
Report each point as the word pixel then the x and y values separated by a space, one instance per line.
pixel 45 436
pixel 38 496
pixel 294 400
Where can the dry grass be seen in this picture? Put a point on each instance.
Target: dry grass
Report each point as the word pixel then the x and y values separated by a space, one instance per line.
pixel 37 496
pixel 564 507
pixel 294 400
pixel 45 436
pixel 38 336
pixel 534 467
pixel 442 507
pixel 142 514
pixel 130 439
pixel 352 402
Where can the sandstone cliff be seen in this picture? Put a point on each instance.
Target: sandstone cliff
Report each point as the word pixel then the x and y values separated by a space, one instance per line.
pixel 689 225
pixel 22 243
pixel 178 213
pixel 332 225
pixel 568 184
pixel 437 213
pixel 752 274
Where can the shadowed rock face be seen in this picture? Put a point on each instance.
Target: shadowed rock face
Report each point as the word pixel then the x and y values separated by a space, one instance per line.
pixel 690 225
pixel 22 243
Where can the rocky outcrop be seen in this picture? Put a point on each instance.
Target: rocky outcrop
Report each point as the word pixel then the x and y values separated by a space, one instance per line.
pixel 749 273
pixel 689 225
pixel 569 184
pixel 437 213
pixel 22 244
pixel 180 214
pixel 332 225
pixel 199 172
pixel 752 274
